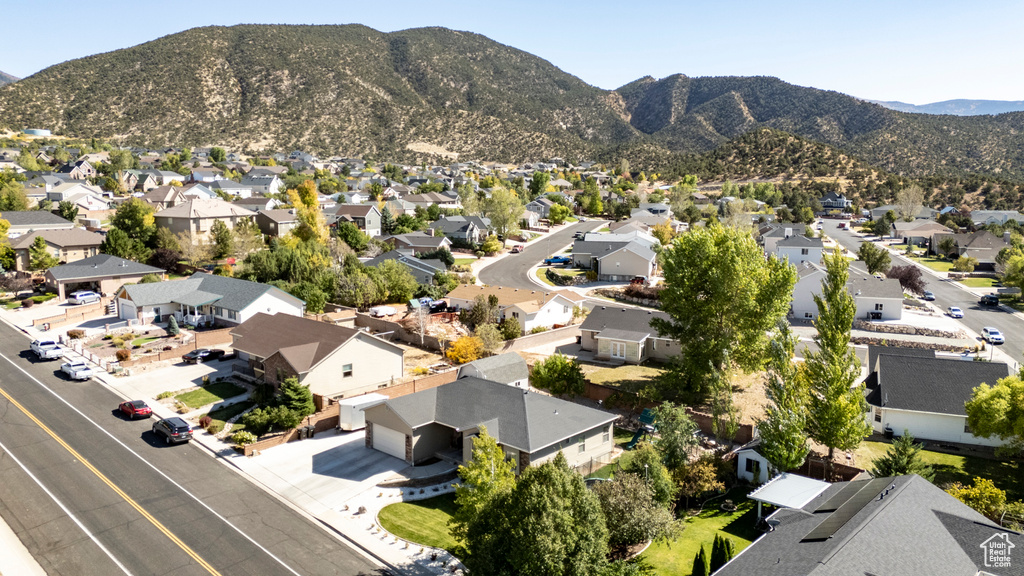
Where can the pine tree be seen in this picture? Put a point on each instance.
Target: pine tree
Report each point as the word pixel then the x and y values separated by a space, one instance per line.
pixel 717 553
pixel 39 255
pixel 172 326
pixel 903 457
pixel 297 397
pixel 837 407
pixel 701 563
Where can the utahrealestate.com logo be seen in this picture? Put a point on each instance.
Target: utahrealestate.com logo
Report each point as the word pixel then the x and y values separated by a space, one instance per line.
pixel 997 550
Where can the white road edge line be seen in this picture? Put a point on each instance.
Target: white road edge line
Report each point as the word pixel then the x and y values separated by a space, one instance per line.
pixel 155 469
pixel 66 511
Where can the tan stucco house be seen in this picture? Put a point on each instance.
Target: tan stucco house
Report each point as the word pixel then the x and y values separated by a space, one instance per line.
pixel 198 215
pixel 625 334
pixel 68 245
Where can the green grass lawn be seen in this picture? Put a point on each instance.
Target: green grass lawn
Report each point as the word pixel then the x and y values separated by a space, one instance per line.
pixel 222 415
pixel 144 340
pixel 676 558
pixel 423 521
pixel 464 261
pixel 1013 301
pixel 956 468
pixel 937 264
pixel 979 282
pixel 628 376
pixel 12 303
pixel 571 220
pixel 213 393
pixel 542 277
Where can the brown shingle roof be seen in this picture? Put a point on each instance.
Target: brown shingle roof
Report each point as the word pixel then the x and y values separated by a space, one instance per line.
pixel 62 238
pixel 526 299
pixel 302 343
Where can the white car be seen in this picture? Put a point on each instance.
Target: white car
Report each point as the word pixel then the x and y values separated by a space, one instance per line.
pixel 992 335
pixel 47 350
pixel 77 370
pixel 83 297
pixel 956 312
pixel 382 311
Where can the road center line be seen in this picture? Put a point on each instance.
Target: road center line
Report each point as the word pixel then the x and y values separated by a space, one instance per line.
pixel 65 509
pixel 117 489
pixel 151 465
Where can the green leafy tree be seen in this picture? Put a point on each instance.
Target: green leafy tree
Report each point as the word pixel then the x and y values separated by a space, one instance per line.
pixel 876 259
pixel 135 218
pixel 631 513
pixel 647 464
pixel 837 406
pixel 223 239
pixel 676 431
pixel 314 297
pixel 539 184
pixel 550 524
pixel 491 245
pixel 559 375
pixel 998 411
pixel 297 397
pixel 783 427
pixel 400 284
pixel 880 227
pixel 947 246
pixel 67 210
pixel 246 239
pixel 982 495
pixel 39 255
pixel 505 210
pixel 594 206
pixel 469 199
pixel 483 311
pixel 217 154
pixel 903 457
pixel 442 254
pixel 558 214
pixel 490 336
pixel 352 235
pixel 150 279
pixel 965 264
pixel 118 243
pixel 510 328
pixel 723 298
pixel 12 196
pixel 486 475
pixel 446 282
pixel 698 478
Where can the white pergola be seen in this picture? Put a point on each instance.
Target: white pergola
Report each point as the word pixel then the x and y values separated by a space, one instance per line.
pixel 788 491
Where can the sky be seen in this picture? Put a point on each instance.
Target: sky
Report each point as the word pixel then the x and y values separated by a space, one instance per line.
pixel 911 51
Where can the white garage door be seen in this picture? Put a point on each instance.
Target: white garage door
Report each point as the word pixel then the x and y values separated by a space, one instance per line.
pixel 389 441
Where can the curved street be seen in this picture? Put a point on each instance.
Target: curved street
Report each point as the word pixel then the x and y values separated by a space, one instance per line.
pixel 513 270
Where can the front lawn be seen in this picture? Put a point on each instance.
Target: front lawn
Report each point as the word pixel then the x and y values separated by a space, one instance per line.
pixel 542 277
pixel 464 261
pixel 215 392
pixel 937 264
pixel 423 521
pixel 676 558
pixel 979 282
pixel 222 415
pixel 12 303
pixel 144 340
pixel 956 468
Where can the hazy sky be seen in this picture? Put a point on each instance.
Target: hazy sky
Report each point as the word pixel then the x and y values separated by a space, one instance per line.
pixel 913 51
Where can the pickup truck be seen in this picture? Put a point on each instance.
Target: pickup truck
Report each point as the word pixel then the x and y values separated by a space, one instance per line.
pixel 47 349
pixel 77 370
pixel 558 260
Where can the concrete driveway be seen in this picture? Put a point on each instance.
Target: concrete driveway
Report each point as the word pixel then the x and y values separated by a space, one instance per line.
pixel 324 472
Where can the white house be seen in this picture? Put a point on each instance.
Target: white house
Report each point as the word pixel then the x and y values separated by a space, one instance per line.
pixel 204 298
pixel 799 249
pixel 876 298
pixel 925 395
pixel 530 307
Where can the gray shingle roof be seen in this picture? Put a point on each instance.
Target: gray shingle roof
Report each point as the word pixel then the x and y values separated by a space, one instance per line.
pixel 34 218
pixel 875 351
pixel 801 241
pixel 914 530
pixel 630 320
pixel 526 421
pixel 598 248
pixel 504 368
pixel 99 266
pixel 939 385
pixel 871 287
pixel 201 288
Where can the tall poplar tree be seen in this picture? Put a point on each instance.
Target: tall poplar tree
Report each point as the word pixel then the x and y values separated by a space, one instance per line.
pixel 783 428
pixel 837 407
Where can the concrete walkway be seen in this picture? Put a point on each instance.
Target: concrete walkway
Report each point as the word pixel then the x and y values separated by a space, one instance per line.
pixel 15 559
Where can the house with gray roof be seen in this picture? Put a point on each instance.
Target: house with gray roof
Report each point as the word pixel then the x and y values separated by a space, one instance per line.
pixel 798 249
pixel 898 525
pixel 876 298
pixel 365 216
pixel 421 269
pixel 531 428
pixel 333 361
pixel 419 242
pixel 277 222
pixel 508 368
pixel 623 334
pixel 203 298
pixel 101 273
pixel 33 220
pixel 472 229
pixel 232 188
pixel 926 395
pixel 614 257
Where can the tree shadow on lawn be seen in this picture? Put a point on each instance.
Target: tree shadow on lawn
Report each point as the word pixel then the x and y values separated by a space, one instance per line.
pixel 743 525
pixel 1003 474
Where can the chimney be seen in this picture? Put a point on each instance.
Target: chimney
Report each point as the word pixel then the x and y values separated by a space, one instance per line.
pixel 789 232
pixel 429 232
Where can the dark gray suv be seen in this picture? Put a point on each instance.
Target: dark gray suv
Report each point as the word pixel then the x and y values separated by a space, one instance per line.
pixel 173 430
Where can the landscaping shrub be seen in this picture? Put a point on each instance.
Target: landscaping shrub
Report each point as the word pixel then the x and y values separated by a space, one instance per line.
pixel 257 421
pixel 558 374
pixel 27 303
pixel 243 437
pixel 646 292
pixel 420 371
pixel 214 428
pixel 123 355
pixel 510 328
pixel 465 349
pixel 285 417
pixel 262 394
pixel 538 329
pixel 76 334
pixel 205 421
pixel 163 395
pixel 591 275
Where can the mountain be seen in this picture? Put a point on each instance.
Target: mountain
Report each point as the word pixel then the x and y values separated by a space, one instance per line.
pixel 427 93
pixel 6 78
pixel 956 107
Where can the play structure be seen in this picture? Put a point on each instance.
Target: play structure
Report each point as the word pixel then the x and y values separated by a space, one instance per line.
pixel 647 428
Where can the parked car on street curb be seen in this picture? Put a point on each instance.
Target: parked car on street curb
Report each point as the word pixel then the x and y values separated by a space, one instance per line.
pixel 992 335
pixel 47 350
pixel 989 300
pixel 928 296
pixel 77 370
pixel 517 249
pixel 956 312
pixel 173 430
pixel 135 409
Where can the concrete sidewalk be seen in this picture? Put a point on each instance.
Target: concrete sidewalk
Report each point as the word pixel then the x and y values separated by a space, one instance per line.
pixel 15 559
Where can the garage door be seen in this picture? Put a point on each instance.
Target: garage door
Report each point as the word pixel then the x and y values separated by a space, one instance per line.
pixel 389 441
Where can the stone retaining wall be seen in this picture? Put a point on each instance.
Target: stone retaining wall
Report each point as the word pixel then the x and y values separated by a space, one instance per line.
pixel 906 329
pixel 879 341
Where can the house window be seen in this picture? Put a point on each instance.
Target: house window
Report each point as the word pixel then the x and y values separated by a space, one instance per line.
pixel 565 309
pixel 878 307
pixel 804 251
pixel 170 221
pixel 606 436
pixel 232 315
pixel 583 444
pixel 878 414
pixel 967 428
pixel 751 465
pixel 808 315
pixel 346 371
pixel 515 315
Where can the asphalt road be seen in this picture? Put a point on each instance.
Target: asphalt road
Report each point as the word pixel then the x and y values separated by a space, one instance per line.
pixel 90 493
pixel 948 294
pixel 513 270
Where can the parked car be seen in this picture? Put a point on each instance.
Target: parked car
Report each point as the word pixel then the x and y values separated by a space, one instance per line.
pixel 382 311
pixel 201 355
pixel 47 349
pixel 83 297
pixel 438 306
pixel 517 249
pixel 989 300
pixel 135 409
pixel 173 430
pixel 992 335
pixel 956 312
pixel 640 281
pixel 77 370
pixel 928 296
pixel 558 260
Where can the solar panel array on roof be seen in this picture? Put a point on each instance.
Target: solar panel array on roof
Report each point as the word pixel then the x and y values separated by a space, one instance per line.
pixel 836 520
pixel 842 496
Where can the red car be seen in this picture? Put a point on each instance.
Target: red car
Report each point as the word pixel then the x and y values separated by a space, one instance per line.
pixel 135 409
